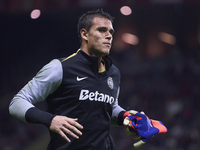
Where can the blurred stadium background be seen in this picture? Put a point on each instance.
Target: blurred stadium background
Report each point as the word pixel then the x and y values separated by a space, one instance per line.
pixel 156 46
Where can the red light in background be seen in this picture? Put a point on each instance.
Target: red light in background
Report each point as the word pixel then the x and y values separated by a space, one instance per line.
pixel 35 14
pixel 125 10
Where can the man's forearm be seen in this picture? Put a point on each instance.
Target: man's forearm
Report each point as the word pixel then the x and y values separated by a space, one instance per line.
pixel 35 115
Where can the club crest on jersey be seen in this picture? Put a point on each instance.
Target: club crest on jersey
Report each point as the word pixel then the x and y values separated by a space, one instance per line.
pixel 110 82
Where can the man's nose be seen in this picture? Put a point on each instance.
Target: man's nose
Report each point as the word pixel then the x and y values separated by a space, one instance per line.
pixel 108 36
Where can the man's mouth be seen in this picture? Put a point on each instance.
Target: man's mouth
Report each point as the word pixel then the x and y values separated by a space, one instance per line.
pixel 107 44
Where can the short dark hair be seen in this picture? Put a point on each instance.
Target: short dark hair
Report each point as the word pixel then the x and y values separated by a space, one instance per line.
pixel 85 21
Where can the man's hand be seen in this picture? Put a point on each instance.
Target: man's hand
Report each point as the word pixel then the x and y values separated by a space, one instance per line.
pixel 144 127
pixel 62 125
pixel 128 118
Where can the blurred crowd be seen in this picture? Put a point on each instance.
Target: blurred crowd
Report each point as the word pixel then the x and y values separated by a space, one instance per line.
pixel 166 89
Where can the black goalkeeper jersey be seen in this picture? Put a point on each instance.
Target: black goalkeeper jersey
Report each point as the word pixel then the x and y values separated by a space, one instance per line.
pixel 75 88
pixel 88 95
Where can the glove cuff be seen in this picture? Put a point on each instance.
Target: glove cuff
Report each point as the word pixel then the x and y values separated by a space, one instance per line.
pixel 126 114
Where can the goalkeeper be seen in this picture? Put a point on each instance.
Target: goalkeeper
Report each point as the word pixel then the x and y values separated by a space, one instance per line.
pixel 81 92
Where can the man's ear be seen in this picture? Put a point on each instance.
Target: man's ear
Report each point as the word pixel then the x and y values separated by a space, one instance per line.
pixel 84 34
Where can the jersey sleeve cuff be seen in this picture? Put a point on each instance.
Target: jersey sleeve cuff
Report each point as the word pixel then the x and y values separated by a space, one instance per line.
pixel 35 115
pixel 120 118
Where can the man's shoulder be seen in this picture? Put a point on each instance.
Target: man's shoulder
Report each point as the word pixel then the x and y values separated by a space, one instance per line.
pixel 114 68
pixel 70 57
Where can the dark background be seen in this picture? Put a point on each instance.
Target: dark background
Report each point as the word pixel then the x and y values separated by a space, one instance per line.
pixel 160 79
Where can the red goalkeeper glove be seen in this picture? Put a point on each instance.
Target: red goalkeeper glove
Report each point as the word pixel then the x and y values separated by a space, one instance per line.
pixel 144 127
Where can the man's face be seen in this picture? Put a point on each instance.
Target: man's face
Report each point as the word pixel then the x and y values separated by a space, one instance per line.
pixel 100 37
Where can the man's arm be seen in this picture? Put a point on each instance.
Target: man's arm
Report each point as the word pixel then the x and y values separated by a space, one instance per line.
pixel 47 80
pixel 117 112
pixel 43 84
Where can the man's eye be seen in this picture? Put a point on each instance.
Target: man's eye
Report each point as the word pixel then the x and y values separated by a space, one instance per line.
pixel 112 32
pixel 101 30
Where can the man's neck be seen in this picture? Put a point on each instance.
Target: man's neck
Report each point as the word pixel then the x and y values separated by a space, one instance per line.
pixel 101 64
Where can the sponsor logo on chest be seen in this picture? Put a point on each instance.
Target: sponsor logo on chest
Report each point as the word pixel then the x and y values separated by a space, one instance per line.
pixel 96 96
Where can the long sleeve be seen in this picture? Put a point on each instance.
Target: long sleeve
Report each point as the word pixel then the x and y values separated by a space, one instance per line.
pixel 117 112
pixel 47 80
